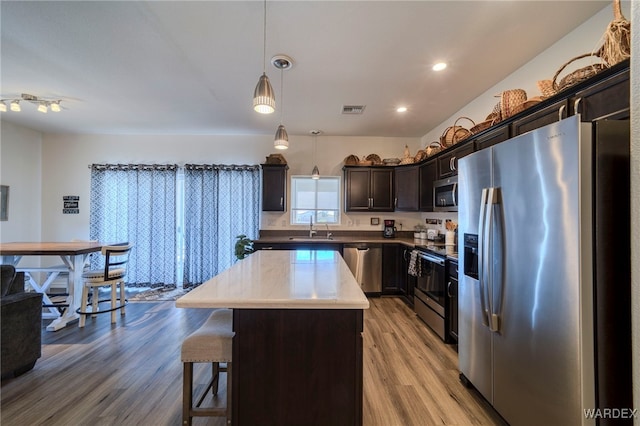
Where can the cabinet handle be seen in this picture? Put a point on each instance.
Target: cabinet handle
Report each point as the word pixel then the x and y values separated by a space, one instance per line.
pixel 395 202
pixel 453 164
pixel 576 106
pixel 560 111
pixel 281 201
pixel 449 289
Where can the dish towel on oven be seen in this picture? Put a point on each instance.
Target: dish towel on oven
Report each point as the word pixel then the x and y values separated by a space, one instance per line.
pixel 415 268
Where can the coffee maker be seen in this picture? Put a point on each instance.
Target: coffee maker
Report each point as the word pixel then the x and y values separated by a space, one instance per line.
pixel 389 229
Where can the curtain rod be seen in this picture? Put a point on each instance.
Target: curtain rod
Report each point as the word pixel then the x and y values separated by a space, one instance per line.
pixel 133 166
pixel 238 167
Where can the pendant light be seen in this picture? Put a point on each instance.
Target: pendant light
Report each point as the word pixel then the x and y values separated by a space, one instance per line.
pixel 264 99
pixel 282 62
pixel 315 174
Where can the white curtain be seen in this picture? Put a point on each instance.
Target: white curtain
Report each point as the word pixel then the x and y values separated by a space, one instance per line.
pixel 137 204
pixel 220 202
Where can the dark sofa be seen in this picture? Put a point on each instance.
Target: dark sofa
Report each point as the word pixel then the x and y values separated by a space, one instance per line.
pixel 21 324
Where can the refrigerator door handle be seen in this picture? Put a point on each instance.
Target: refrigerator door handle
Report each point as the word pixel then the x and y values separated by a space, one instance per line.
pixel 481 257
pixel 492 200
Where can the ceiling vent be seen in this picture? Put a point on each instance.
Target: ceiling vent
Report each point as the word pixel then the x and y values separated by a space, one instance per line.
pixel 353 109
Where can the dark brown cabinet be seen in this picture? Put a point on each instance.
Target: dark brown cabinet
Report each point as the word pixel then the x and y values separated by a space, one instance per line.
pixel 495 136
pixel 428 173
pixel 607 99
pixel 406 188
pixel 408 283
pixel 368 189
pixel 274 187
pixel 391 267
pixel 542 117
pixel 452 301
pixel 448 161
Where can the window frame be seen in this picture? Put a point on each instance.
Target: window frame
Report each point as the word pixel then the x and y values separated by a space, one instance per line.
pixel 293 209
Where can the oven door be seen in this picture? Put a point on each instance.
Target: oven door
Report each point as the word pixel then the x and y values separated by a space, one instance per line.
pixel 431 283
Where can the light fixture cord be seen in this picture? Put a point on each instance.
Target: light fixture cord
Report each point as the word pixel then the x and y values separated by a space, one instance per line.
pixel 264 40
pixel 281 94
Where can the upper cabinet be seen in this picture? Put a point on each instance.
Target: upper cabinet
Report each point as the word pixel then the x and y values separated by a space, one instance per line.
pixel 274 187
pixel 368 189
pixel 448 161
pixel 607 99
pixel 406 183
pixel 428 173
pixel 547 115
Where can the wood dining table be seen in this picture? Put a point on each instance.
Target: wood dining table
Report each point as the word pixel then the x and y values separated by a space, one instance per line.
pixel 73 254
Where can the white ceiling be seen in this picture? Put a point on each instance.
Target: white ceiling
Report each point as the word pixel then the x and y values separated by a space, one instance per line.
pixel 178 67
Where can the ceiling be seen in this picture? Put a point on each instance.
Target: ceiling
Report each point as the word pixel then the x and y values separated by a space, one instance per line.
pixel 178 67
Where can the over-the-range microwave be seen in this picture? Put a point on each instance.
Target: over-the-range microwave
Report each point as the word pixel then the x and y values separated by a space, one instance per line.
pixel 445 195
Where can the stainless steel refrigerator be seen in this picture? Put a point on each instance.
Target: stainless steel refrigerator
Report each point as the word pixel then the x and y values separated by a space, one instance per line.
pixel 544 310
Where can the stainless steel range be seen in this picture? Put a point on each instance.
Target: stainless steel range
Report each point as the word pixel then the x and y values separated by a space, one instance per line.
pixel 431 292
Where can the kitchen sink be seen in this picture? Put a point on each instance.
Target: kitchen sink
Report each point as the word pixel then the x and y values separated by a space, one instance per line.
pixel 307 239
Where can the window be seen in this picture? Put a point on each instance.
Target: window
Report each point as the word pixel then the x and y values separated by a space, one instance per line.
pixel 315 199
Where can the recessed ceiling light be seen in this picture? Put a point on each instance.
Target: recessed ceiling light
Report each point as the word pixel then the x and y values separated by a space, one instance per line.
pixel 439 66
pixel 401 109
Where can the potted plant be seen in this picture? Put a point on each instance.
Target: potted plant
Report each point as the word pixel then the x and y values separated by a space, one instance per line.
pixel 244 246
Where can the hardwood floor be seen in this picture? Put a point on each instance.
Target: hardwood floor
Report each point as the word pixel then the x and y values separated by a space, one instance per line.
pixel 130 373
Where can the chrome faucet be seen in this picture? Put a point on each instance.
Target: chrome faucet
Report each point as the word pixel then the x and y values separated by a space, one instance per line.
pixel 329 234
pixel 311 231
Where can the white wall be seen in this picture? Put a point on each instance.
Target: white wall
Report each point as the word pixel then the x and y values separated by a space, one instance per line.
pixel 66 158
pixel 584 39
pixel 635 199
pixel 21 170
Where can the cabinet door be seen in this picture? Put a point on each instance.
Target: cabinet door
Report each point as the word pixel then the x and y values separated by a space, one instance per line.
pixel 606 99
pixel 492 137
pixel 274 188
pixel 357 189
pixel 546 115
pixel 428 173
pixel 448 162
pixel 409 283
pixel 406 183
pixel 391 268
pixel 382 190
pixel 452 294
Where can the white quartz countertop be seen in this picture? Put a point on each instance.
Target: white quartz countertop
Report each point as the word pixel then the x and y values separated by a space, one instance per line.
pixel 281 279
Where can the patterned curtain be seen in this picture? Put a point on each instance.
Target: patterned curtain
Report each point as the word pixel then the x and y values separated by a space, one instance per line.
pixel 221 202
pixel 137 203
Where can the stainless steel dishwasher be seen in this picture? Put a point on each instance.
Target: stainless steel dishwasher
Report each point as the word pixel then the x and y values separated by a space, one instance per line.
pixel 365 262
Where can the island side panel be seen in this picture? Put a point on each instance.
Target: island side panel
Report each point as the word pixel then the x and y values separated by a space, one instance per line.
pixel 297 366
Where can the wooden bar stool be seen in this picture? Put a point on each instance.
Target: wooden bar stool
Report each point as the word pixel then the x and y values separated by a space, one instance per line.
pixel 211 343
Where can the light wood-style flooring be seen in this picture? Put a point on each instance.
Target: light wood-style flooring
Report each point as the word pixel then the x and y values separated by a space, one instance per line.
pixel 130 373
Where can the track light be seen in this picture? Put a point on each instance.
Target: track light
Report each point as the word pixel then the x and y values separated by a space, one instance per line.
pixel 41 104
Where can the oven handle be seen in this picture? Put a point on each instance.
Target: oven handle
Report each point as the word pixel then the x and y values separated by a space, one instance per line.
pixel 432 259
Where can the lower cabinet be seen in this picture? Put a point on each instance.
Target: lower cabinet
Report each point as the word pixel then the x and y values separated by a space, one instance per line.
pixel 299 246
pixel 452 303
pixel 409 281
pixel 391 267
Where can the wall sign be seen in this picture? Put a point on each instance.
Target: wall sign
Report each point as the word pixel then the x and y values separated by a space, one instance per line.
pixel 70 204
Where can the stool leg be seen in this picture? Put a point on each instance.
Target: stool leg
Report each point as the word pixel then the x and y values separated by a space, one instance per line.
pixel 229 398
pixel 187 393
pixel 114 287
pixel 83 305
pixel 95 293
pixel 215 377
pixel 123 297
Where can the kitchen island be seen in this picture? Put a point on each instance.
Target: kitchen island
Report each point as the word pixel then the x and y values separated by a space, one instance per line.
pixel 297 349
